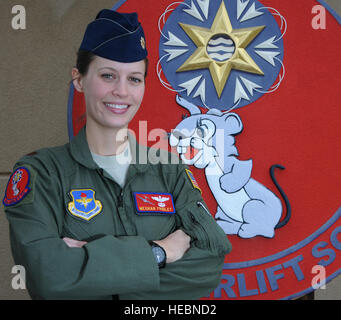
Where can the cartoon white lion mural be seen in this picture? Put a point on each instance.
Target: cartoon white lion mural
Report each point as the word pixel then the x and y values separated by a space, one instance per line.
pixel 206 141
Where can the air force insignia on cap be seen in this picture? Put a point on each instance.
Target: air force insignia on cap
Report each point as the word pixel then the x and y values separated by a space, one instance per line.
pixel 115 36
pixel 143 43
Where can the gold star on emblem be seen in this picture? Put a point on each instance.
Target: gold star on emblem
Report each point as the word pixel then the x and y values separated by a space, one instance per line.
pixel 220 70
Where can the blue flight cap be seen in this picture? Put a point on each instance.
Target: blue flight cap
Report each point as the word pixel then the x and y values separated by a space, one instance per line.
pixel 115 36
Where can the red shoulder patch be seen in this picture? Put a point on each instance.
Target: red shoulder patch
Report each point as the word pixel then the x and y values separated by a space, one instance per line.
pixel 17 187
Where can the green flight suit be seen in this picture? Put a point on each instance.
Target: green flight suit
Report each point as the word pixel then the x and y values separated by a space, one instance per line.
pixel 117 260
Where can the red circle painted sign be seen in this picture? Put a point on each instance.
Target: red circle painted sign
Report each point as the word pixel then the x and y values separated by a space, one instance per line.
pixel 254 83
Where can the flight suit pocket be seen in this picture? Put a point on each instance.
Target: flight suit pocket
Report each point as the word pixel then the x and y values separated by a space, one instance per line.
pixel 155 227
pixel 89 215
pixel 194 222
pixel 200 225
pixel 154 214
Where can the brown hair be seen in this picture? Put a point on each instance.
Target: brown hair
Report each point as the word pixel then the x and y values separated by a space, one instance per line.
pixel 84 58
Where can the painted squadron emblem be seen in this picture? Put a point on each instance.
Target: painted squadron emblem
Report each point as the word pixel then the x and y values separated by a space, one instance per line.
pixel 221 54
pixel 84 204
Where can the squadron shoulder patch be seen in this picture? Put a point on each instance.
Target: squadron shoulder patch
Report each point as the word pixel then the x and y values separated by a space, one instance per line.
pixel 17 187
pixel 192 179
pixel 84 204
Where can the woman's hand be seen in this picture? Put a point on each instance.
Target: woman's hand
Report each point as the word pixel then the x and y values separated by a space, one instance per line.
pixel 175 245
pixel 72 243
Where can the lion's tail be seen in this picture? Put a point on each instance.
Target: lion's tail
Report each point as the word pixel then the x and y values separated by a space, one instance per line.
pixel 287 217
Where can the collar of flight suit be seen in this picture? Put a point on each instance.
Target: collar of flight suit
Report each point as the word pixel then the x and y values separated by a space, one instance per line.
pixel 80 151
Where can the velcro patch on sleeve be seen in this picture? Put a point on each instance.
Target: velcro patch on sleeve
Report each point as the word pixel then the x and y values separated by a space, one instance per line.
pixel 17 187
pixel 153 203
pixel 192 179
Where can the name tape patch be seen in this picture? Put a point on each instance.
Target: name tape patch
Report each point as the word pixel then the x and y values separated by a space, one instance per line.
pixel 154 203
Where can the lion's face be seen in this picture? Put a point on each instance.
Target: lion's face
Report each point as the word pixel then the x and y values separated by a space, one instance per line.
pixel 203 138
pixel 193 140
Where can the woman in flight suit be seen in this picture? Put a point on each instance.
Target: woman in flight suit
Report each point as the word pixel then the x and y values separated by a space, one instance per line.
pixel 102 217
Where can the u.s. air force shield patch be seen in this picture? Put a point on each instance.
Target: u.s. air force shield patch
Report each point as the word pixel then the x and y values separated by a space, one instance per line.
pixel 247 88
pixel 84 204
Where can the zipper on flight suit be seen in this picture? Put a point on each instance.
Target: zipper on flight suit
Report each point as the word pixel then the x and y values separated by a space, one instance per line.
pixel 120 199
pixel 120 196
pixel 200 204
pixel 199 226
pixel 117 199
